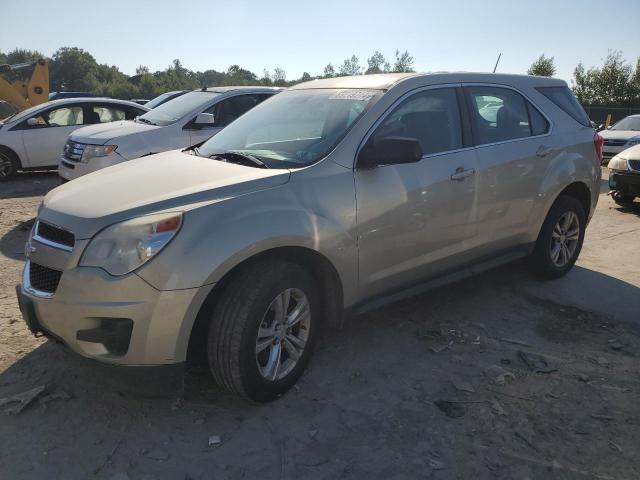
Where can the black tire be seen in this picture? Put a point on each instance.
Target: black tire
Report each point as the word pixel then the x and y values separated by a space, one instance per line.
pixel 540 262
pixel 621 199
pixel 9 164
pixel 233 331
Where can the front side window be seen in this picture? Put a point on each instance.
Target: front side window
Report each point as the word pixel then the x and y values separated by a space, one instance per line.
pixel 432 117
pixel 61 117
pixel 176 108
pixel 500 114
pixel 294 128
pixel 226 111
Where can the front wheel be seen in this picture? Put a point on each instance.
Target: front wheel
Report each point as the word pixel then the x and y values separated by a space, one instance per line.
pixel 9 164
pixel 263 330
pixel 560 239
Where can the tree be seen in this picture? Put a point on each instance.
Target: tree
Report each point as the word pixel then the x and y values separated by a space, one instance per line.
pixel 141 70
pixel 404 62
pixel 305 77
pixel 329 71
pixel 19 55
pixel 377 64
pixel 72 69
pixel 543 67
pixel 615 83
pixel 351 66
pixel 279 77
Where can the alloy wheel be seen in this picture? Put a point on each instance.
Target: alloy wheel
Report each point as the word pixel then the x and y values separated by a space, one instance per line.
pixel 564 239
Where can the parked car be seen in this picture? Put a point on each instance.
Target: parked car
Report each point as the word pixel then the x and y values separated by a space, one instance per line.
pixel 32 139
pixel 624 176
pixel 165 97
pixel 334 196
pixel 63 95
pixel 620 136
pixel 185 121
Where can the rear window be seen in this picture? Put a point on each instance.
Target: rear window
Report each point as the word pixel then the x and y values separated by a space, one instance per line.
pixel 565 100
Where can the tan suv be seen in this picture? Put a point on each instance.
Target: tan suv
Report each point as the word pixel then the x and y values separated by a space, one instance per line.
pixel 329 197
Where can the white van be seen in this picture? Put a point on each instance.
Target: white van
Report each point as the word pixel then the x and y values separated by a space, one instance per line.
pixel 185 121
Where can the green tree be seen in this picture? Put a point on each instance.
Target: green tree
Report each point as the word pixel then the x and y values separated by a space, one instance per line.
pixel 543 66
pixel 329 71
pixel 19 55
pixel 305 77
pixel 404 62
pixel 614 83
pixel 72 69
pixel 279 77
pixel 350 66
pixel 377 64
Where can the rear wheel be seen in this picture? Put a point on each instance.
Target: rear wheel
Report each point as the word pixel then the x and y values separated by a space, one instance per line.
pixel 9 164
pixel 560 239
pixel 263 330
pixel 621 199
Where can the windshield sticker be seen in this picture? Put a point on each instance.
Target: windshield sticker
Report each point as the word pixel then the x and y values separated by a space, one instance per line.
pixel 354 94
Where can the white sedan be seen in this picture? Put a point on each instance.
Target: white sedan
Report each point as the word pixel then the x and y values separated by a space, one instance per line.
pixel 34 138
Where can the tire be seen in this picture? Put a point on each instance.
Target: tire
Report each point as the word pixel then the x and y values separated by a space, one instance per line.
pixel 9 164
pixel 248 308
pixel 543 261
pixel 621 199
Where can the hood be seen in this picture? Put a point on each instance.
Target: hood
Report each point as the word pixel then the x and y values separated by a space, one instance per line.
pixel 167 181
pixel 619 134
pixel 101 133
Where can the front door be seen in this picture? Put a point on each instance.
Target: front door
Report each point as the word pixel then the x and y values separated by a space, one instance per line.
pixel 45 141
pixel 416 220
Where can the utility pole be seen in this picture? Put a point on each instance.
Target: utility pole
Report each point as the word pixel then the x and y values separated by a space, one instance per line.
pixel 497 61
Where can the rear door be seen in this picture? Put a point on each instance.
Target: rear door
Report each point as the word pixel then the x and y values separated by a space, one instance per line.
pixel 44 142
pixel 415 220
pixel 514 148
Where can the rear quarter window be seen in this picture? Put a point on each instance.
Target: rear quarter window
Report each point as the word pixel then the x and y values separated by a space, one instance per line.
pixel 567 102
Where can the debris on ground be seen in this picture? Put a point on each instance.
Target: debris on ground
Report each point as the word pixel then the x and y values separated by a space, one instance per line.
pixel 515 341
pixel 463 386
pixel 435 464
pixel 21 399
pixel 59 395
pixel 499 375
pixel 440 348
pixel 215 441
pixel 615 344
pixel 451 409
pixel 497 408
pixel 536 363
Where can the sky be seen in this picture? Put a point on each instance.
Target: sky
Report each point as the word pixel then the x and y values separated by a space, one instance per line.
pixel 299 36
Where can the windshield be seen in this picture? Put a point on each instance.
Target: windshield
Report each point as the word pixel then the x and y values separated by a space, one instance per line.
pixel 160 99
pixel 295 128
pixel 629 123
pixel 175 109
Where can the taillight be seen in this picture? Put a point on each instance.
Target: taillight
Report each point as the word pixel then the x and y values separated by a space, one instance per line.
pixel 598 141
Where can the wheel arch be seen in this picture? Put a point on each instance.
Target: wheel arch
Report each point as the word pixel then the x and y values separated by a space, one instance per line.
pixel 580 191
pixel 330 283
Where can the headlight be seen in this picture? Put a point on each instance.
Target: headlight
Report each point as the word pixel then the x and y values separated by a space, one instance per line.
pixel 123 247
pixel 618 163
pixel 634 141
pixel 93 151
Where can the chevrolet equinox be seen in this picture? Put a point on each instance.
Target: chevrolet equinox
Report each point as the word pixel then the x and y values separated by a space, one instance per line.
pixel 331 197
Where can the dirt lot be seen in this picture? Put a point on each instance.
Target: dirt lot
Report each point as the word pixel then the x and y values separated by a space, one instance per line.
pixel 413 390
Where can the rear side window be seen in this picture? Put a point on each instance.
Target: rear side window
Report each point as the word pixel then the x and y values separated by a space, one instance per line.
pixel 501 114
pixel 566 101
pixel 432 117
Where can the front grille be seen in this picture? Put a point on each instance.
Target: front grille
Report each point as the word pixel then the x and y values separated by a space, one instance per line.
pixel 43 278
pixel 73 150
pixel 55 234
pixel 614 142
pixel 634 165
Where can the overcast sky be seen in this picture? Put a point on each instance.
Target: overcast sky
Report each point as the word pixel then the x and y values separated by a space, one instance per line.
pixel 303 36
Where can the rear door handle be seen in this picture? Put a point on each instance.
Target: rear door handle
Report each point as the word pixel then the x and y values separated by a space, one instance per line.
pixel 461 174
pixel 543 151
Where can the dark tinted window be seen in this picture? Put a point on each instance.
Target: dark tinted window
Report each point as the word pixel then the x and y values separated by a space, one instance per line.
pixel 432 117
pixel 539 124
pixel 228 110
pixel 565 100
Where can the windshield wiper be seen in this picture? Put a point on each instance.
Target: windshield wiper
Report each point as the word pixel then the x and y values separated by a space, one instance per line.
pixel 144 120
pixel 233 156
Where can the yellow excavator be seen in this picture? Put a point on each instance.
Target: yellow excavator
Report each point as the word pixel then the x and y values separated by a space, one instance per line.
pixel 22 94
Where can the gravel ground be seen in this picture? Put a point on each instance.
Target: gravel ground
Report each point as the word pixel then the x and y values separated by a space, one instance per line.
pixel 499 376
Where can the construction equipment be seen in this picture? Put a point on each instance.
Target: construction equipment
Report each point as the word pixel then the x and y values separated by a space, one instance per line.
pixel 23 95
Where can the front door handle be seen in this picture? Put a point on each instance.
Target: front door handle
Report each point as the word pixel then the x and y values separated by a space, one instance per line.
pixel 543 151
pixel 461 174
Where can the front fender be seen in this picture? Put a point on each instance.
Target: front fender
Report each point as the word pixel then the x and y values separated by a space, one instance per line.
pixel 216 238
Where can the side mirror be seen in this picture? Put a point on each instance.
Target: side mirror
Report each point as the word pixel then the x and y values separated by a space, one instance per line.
pixel 390 151
pixel 204 120
pixel 33 122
